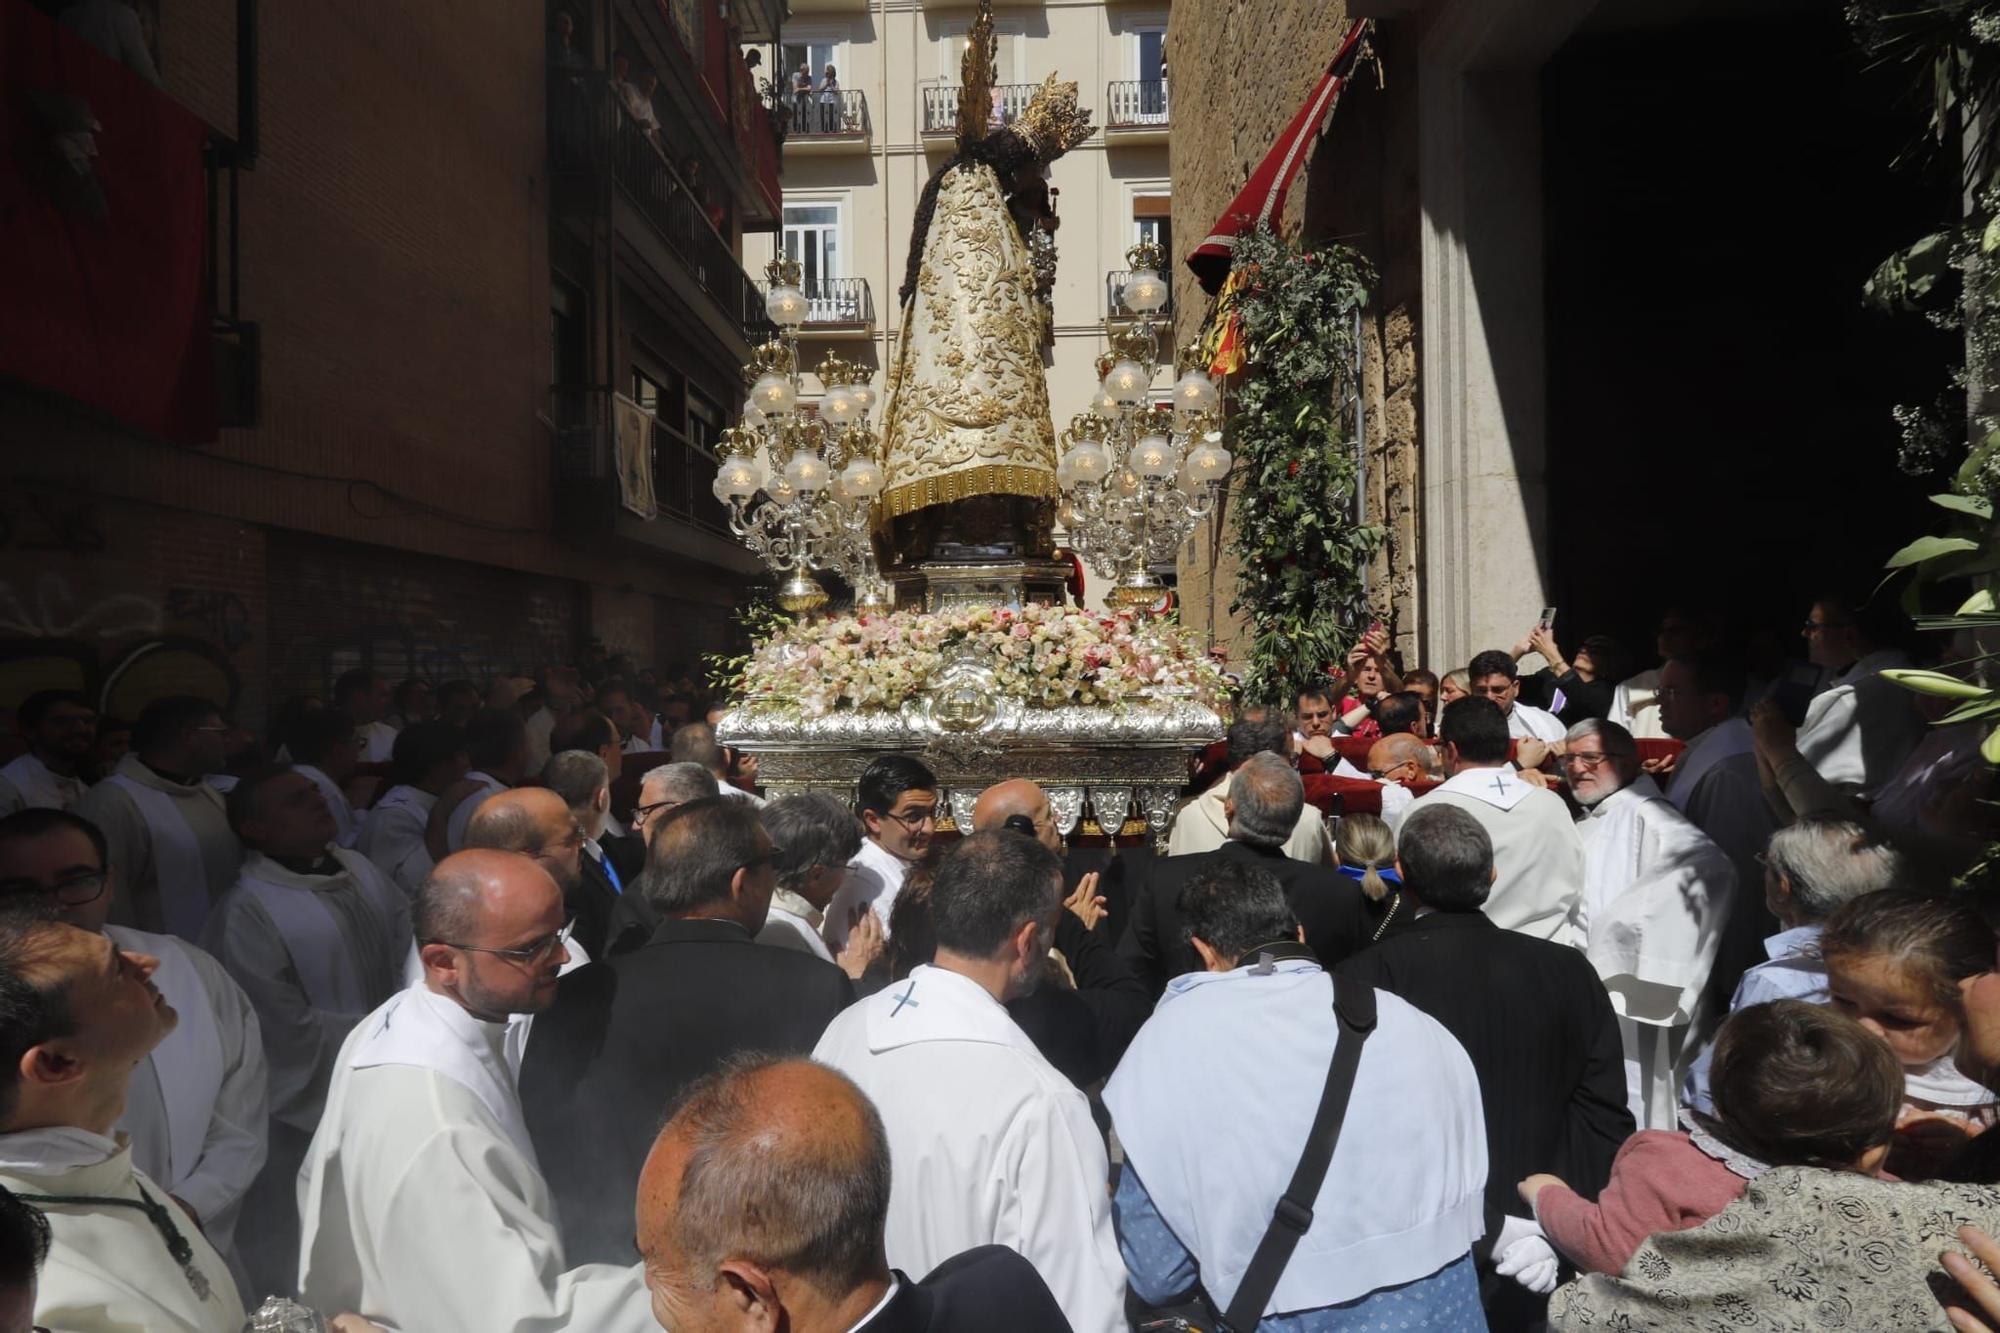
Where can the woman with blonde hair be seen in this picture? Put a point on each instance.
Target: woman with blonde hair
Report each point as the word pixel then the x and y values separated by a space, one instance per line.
pixel 1365 851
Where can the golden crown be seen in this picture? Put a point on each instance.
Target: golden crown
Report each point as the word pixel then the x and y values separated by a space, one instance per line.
pixel 1053 123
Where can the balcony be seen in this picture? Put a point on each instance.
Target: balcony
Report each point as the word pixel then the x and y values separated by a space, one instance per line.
pixel 838 309
pixel 827 127
pixel 941 108
pixel 1116 313
pixel 1135 111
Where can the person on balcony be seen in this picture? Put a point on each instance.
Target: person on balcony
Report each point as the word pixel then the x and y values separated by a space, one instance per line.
pixel 802 87
pixel 829 103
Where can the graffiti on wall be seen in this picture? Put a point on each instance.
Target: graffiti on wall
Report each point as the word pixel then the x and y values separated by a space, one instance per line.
pixel 121 650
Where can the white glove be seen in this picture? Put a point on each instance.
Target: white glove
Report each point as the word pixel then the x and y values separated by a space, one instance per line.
pixel 1523 1254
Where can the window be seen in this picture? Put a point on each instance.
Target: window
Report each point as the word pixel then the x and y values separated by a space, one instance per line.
pixel 1151 48
pixel 1007 61
pixel 815 52
pixel 812 237
pixel 1152 220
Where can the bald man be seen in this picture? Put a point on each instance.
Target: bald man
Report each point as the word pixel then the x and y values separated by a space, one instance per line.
pixel 422 1200
pixel 763 1206
pixel 538 823
pixel 1396 761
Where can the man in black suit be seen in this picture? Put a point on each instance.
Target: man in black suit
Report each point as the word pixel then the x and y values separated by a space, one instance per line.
pixel 661 790
pixel 1263 805
pixel 1532 1015
pixel 625 1036
pixel 580 778
pixel 763 1205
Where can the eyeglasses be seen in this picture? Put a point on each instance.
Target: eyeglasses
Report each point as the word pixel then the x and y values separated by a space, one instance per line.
pixel 72 892
pixel 1814 626
pixel 642 813
pixel 1578 759
pixel 528 955
pixel 915 819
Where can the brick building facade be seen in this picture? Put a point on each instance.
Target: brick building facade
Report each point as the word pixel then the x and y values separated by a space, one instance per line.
pixel 397 501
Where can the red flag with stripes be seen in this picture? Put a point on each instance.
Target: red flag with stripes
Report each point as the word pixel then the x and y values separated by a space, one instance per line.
pixel 1262 198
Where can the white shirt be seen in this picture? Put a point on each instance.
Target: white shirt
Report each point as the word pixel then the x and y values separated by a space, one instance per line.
pixel 170 845
pixel 728 788
pixel 1859 727
pixel 109 1269
pixel 1537 856
pixel 988 1143
pixel 1655 900
pixel 874 877
pixel 793 924
pixel 1793 972
pixel 421 1200
pixel 461 814
pixel 1526 722
pixel 347 828
pixel 26 783
pixel 392 836
pixel 378 742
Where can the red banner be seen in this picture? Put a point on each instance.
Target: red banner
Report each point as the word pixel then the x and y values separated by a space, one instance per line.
pixel 103 234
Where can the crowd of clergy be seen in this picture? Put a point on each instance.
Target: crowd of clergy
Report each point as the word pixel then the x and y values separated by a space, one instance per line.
pixel 1570 997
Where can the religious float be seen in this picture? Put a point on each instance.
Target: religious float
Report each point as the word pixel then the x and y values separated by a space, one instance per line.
pixel 960 647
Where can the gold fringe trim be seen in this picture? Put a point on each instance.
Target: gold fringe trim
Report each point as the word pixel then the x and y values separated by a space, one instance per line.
pixel 1037 483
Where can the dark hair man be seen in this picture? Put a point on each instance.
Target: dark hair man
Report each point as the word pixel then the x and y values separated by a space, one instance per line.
pixel 1531 1014
pixel 59 727
pixel 972 1108
pixel 364 696
pixel 1494 677
pixel 429 758
pixel 496 748
pixel 168 833
pixel 898 806
pixel 325 747
pixel 24 1244
pixel 763 1205
pixel 627 1035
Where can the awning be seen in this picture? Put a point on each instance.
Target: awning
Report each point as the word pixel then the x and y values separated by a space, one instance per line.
pixel 1262 197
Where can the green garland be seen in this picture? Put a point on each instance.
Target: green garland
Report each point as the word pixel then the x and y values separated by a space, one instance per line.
pixel 1302 555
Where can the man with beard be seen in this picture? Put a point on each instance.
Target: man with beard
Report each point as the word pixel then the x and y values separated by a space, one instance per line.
pixel 990 1143
pixel 421 1198
pixel 59 727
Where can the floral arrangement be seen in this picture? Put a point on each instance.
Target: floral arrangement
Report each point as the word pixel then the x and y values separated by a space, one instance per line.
pixel 1046 656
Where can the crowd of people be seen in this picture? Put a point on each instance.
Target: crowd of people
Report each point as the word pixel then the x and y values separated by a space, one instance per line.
pixel 1573 997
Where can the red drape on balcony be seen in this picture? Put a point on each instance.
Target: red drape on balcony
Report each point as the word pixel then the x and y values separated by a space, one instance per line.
pixel 105 304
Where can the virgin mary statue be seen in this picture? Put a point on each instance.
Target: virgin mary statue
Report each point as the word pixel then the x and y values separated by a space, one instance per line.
pixel 970 455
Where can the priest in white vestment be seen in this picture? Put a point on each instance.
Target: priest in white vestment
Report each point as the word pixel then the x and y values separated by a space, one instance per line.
pixel 325 747
pixel 311 931
pixel 60 728
pixel 496 750
pixel 989 1143
pixel 169 837
pixel 1859 727
pixel 422 1201
pixel 124 1257
pixel 430 756
pixel 1656 897
pixel 898 801
pixel 1537 856
pixel 195 1106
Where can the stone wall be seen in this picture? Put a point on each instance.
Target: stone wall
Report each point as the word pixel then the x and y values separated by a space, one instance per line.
pixel 1249 64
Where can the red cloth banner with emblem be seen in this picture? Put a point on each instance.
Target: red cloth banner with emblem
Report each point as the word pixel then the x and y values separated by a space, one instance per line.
pixel 103 234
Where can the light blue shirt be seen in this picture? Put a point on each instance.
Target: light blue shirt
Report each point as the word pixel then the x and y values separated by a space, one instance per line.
pixel 1794 972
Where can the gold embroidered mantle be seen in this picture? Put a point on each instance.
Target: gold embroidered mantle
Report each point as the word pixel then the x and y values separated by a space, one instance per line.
pixel 968 409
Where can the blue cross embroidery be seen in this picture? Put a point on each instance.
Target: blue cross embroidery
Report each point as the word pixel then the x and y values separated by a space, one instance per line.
pixel 1500 785
pixel 904 998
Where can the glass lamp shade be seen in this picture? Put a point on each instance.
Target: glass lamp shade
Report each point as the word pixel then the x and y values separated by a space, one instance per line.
pixel 838 405
pixel 781 491
pixel 1155 456
pixel 773 394
pixel 738 478
pixel 1206 464
pixel 1065 473
pixel 752 415
pixel 1195 392
pixel 1127 382
pixel 1104 405
pixel 864 395
pixel 786 305
pixel 807 473
pixel 1126 483
pixel 1089 461
pixel 1144 291
pixel 864 478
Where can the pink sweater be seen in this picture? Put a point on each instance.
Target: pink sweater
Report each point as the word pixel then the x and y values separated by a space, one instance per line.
pixel 1659 1182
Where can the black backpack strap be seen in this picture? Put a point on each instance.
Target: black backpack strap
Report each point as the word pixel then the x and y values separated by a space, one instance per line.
pixel 1354 1008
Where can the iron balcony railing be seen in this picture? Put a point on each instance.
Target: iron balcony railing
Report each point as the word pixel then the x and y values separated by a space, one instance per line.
pixel 1134 103
pixel 838 115
pixel 1114 301
pixel 941 107
pixel 586 453
pixel 838 301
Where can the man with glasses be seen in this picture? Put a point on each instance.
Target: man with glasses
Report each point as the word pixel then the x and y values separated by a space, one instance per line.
pixel 1656 895
pixel 59 728
pixel 316 936
pixel 626 1036
pixel 1494 676
pixel 1860 726
pixel 537 823
pixel 166 828
pixel 662 791
pixel 422 1199
pixel 195 1107
pixel 898 804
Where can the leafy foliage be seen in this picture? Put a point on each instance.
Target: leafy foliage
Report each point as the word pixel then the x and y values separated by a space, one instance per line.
pixel 1302 552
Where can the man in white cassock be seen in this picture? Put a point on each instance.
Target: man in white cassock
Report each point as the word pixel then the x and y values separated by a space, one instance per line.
pixel 1494 675
pixel 82 1014
pixel 898 801
pixel 59 728
pixel 195 1106
pixel 168 834
pixel 1655 899
pixel 496 748
pixel 1860 726
pixel 989 1143
pixel 325 747
pixel 1537 856
pixel 430 756
pixel 1213 1103
pixel 422 1201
